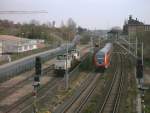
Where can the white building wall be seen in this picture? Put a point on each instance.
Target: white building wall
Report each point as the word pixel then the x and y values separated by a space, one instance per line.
pixel 34 47
pixel 10 47
pixel 0 48
pixel 19 46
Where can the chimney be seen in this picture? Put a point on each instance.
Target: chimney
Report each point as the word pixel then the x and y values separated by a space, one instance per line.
pixel 136 19
pixel 130 17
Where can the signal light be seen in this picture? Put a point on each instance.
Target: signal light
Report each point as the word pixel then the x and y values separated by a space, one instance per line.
pixel 37 79
pixel 139 68
pixel 38 66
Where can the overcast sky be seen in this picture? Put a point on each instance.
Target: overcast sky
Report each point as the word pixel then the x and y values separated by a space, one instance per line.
pixel 99 14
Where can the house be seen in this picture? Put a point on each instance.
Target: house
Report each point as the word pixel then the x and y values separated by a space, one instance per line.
pixel 13 44
pixel 0 48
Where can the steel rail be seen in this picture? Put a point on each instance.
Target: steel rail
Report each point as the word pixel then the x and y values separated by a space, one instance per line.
pixel 109 92
pixel 110 96
pixel 82 90
pixel 85 100
pixel 121 84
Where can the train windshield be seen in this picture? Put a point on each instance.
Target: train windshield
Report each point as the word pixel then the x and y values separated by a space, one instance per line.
pixel 100 57
pixel 61 57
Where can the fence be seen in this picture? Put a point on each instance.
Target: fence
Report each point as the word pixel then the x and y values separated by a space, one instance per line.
pixel 14 68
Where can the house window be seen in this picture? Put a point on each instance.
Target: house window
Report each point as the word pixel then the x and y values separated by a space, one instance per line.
pixel 31 46
pixel 25 47
pixel 19 49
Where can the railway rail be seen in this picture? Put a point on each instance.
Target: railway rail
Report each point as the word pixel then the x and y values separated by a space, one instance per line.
pixel 113 96
pixel 48 90
pixel 79 99
pixel 87 96
pixel 25 103
pixel 9 90
pixel 27 100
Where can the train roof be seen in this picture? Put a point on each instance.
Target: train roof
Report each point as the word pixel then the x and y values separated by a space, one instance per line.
pixel 106 48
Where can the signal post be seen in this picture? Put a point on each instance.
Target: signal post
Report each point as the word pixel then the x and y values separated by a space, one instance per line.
pixel 36 82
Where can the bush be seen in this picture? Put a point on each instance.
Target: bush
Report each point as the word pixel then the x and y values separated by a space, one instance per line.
pixel 87 64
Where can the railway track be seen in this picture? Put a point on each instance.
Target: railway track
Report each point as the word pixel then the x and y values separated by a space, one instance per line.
pixel 29 78
pixel 113 96
pixel 27 99
pixel 77 102
pixel 26 104
pixel 84 101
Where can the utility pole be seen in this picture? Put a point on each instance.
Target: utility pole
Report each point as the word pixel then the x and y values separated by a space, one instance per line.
pixel 92 44
pixel 99 42
pixel 2 45
pixel 142 54
pixel 136 47
pixel 142 80
pixel 66 74
pixel 129 42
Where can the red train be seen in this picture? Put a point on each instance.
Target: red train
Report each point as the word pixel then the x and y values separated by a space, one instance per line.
pixel 102 57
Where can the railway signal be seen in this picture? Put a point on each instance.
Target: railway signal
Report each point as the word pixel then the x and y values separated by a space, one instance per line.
pixel 38 71
pixel 38 66
pixel 139 68
pixel 36 83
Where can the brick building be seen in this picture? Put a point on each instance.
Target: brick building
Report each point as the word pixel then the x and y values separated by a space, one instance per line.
pixel 133 26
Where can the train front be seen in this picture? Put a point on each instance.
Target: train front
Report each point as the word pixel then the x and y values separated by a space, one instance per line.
pixel 99 60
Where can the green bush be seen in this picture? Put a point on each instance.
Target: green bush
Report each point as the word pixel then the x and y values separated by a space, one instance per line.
pixel 87 64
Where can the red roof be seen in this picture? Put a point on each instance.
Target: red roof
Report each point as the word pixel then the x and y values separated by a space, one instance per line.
pixel 9 38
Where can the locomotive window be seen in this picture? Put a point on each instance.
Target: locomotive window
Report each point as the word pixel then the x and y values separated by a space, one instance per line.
pixel 60 57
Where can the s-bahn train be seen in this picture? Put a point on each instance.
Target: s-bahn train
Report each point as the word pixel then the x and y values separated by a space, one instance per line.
pixel 103 56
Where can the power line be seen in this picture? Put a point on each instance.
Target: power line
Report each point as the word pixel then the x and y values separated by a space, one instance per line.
pixel 23 12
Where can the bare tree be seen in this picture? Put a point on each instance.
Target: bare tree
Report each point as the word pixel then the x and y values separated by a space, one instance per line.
pixel 35 22
pixel 71 24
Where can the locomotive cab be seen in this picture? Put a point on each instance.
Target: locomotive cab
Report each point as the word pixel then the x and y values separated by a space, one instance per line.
pixel 62 63
pixel 75 54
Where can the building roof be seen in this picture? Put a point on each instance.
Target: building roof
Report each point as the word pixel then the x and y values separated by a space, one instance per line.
pixel 11 38
pixel 132 21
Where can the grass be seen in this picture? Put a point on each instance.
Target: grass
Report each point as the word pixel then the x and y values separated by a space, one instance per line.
pixel 96 100
pixel 61 95
pixel 147 101
pixel 147 62
pixel 129 102
pixel 87 64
